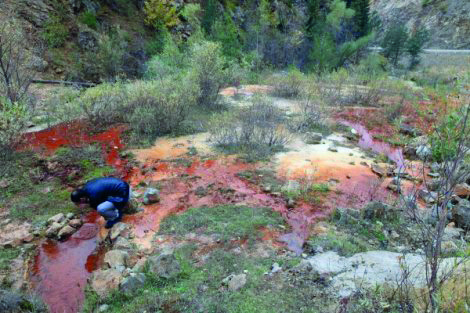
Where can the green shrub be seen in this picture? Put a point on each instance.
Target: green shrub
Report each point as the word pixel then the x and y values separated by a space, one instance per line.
pixel 55 32
pixel 104 105
pixel 257 130
pixel 89 18
pixel 161 106
pixel 13 118
pixel 394 42
pixel 290 85
pixel 445 140
pixel 207 70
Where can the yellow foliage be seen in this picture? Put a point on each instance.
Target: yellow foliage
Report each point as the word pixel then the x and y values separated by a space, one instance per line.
pixel 161 12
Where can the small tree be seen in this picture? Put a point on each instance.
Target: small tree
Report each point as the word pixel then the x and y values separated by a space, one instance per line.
pixel 415 45
pixel 15 72
pixel 394 43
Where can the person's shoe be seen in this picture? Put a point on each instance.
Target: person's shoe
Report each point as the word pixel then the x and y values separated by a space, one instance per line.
pixel 110 223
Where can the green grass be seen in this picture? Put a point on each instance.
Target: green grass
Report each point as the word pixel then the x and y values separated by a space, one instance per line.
pixel 229 221
pixel 341 243
pixel 6 256
pixel 198 288
pixel 36 192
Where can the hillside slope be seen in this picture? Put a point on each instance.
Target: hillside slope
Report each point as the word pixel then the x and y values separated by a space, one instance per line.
pixel 447 20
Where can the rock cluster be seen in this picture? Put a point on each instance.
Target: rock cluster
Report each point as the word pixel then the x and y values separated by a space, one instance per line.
pixel 61 226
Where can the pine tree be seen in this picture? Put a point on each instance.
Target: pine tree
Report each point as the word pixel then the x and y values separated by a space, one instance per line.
pixel 209 17
pixel 361 17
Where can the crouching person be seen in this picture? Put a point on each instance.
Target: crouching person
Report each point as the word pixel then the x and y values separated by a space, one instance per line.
pixel 108 195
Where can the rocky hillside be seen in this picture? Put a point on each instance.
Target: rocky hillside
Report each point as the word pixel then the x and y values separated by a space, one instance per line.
pixel 447 20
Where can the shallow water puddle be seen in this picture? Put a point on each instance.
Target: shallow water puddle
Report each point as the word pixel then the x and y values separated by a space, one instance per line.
pixel 61 269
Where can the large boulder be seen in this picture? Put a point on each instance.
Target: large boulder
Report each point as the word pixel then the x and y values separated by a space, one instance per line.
pixel 165 265
pixel 461 214
pixel 116 258
pixel 133 282
pixel 104 281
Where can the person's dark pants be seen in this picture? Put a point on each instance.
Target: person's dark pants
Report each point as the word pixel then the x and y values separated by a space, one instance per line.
pixel 108 211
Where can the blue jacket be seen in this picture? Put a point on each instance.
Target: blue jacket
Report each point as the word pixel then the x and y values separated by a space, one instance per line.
pixel 109 189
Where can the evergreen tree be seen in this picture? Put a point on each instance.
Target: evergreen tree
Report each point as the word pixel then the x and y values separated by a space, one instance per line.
pixel 210 15
pixel 415 45
pixel 394 42
pixel 361 17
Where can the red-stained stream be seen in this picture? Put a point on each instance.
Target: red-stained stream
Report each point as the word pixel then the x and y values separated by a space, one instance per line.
pixel 61 269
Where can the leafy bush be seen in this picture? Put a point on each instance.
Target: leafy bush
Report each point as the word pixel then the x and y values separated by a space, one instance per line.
pixel 290 85
pixel 105 104
pixel 394 42
pixel 55 32
pixel 207 70
pixel 445 140
pixel 160 106
pixel 415 45
pixel 161 13
pixel 89 18
pixel 259 127
pixel 13 118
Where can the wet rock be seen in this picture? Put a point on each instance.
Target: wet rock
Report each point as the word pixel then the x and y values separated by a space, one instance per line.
pixel 65 232
pixel 118 230
pixel 235 282
pixel 76 223
pixel 379 170
pixel 165 265
pixel 462 190
pixel 104 281
pixel 133 282
pixel 332 149
pixel 122 244
pixel 313 138
pixel 151 196
pixel 58 218
pixel 53 230
pixel 115 258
